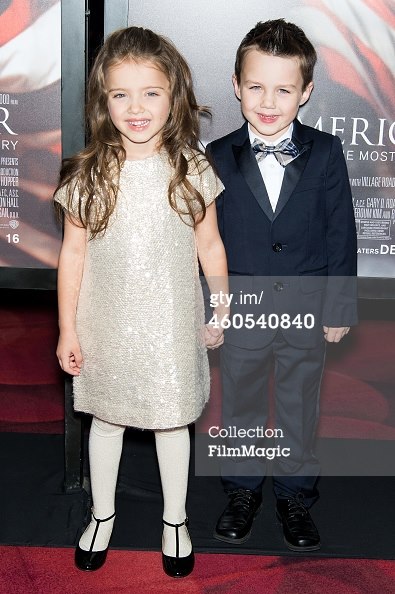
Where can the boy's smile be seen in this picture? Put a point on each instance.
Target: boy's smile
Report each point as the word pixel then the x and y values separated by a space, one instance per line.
pixel 139 105
pixel 271 92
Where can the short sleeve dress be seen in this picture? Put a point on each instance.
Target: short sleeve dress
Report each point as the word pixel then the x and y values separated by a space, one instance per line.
pixel 140 313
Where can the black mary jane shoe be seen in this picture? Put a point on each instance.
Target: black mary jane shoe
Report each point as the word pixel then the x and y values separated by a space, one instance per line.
pixel 91 560
pixel 178 566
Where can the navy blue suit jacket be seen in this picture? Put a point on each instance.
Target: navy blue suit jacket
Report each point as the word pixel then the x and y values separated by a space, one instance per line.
pixel 303 255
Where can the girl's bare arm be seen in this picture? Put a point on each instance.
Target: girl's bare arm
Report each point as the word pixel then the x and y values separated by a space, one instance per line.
pixel 212 258
pixel 71 263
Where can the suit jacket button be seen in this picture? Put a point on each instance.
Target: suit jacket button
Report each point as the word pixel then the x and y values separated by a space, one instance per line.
pixel 277 247
pixel 278 287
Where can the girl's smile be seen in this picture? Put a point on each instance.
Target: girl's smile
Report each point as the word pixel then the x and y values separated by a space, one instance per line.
pixel 139 124
pixel 139 105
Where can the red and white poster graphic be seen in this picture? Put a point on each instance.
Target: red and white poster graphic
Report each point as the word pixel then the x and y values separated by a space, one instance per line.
pixel 30 135
pixel 354 98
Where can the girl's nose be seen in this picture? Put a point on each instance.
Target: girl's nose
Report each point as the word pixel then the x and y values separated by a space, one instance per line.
pixel 135 106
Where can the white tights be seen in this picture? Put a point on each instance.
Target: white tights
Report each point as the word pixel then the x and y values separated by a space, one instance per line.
pixel 172 449
pixel 105 448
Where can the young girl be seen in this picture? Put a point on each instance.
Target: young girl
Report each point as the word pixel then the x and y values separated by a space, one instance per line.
pixel 139 208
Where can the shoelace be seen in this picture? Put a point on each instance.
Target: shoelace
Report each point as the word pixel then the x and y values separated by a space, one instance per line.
pixel 296 507
pixel 298 510
pixel 242 499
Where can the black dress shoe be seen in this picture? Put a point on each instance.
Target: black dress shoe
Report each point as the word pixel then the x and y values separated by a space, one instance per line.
pixel 300 532
pixel 178 566
pixel 91 560
pixel 235 523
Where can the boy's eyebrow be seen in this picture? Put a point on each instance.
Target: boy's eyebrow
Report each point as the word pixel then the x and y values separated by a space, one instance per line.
pixel 256 82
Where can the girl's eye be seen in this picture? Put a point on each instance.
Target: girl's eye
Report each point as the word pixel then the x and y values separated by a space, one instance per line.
pixel 152 94
pixel 119 95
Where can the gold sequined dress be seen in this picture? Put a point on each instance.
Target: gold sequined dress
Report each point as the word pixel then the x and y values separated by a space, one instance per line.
pixel 140 310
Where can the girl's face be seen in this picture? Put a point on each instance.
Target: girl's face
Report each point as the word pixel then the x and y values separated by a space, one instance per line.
pixel 139 105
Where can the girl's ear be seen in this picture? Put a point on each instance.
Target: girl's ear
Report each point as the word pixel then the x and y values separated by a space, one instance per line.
pixel 236 86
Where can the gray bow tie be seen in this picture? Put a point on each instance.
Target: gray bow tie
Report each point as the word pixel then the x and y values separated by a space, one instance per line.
pixel 285 151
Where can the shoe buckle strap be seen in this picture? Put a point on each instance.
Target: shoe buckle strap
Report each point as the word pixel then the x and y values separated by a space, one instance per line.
pixel 98 522
pixel 177 526
pixel 105 519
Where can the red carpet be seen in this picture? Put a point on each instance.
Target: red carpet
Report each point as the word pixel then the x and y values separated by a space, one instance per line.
pixel 51 571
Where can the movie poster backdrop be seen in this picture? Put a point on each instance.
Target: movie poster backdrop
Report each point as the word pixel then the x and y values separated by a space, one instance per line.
pixel 353 96
pixel 30 135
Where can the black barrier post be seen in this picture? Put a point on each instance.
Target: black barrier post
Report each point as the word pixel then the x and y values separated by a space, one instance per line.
pixel 74 61
pixel 73 440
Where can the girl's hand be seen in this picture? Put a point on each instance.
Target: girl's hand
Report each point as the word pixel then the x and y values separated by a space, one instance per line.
pixel 213 337
pixel 69 354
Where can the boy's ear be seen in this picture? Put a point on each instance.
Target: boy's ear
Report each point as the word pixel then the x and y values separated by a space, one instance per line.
pixel 236 86
pixel 306 93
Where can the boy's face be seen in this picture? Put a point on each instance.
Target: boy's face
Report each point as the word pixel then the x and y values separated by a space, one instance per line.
pixel 270 91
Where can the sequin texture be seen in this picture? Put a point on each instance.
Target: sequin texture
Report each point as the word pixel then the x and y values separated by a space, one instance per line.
pixel 140 310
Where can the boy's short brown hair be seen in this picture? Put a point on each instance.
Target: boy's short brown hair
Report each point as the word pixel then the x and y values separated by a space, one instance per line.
pixel 279 38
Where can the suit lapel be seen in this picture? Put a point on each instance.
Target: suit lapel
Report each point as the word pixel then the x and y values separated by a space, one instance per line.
pixel 250 171
pixel 294 170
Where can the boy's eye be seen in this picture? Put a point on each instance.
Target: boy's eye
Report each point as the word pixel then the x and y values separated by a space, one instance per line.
pixel 284 91
pixel 255 88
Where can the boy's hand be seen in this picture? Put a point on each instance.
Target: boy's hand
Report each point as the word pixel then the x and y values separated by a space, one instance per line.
pixel 69 354
pixel 213 337
pixel 335 334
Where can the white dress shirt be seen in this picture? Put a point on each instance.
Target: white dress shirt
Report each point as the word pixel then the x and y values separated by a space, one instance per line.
pixel 271 170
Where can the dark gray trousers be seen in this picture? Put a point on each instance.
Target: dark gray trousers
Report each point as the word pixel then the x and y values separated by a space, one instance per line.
pixel 297 376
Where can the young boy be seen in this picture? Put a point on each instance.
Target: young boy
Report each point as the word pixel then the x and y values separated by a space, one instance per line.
pixel 287 223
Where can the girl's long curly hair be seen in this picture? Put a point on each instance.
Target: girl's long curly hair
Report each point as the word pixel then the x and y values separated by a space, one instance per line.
pixel 93 173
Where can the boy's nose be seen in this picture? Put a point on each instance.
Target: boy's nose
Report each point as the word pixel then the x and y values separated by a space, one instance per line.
pixel 268 100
